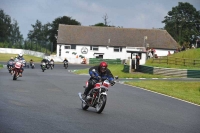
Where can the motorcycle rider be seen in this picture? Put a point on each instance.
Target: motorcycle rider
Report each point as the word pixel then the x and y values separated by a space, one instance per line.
pixel 31 62
pixel 52 61
pixel 83 61
pixel 17 61
pixel 65 60
pixel 99 72
pixel 20 56
pixel 11 59
pixel 46 61
pixel 21 59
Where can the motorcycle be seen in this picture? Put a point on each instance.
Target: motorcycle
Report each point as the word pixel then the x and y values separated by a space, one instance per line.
pixel 10 66
pixel 97 96
pixel 65 64
pixel 43 66
pixel 51 64
pixel 17 71
pixel 32 65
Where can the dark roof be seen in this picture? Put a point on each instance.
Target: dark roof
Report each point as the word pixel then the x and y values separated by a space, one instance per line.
pixel 129 37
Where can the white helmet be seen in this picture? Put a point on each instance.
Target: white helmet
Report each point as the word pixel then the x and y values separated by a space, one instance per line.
pixel 20 54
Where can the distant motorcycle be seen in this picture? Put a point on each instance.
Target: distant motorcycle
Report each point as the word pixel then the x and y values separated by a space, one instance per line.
pixel 32 65
pixel 65 64
pixel 51 63
pixel 43 66
pixel 10 66
pixel 17 70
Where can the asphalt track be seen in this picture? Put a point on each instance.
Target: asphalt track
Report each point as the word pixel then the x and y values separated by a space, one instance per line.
pixel 48 102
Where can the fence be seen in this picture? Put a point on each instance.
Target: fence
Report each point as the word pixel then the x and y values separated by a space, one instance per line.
pixel 177 61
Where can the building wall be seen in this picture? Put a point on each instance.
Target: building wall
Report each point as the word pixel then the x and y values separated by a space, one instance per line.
pixel 108 53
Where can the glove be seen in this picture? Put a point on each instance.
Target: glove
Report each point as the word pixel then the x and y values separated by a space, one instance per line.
pixel 94 76
pixel 112 82
pixel 98 77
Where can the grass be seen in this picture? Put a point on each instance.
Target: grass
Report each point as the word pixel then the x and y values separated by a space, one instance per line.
pixel 6 57
pixel 188 90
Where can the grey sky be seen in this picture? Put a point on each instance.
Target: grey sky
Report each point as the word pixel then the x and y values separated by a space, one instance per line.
pixel 126 13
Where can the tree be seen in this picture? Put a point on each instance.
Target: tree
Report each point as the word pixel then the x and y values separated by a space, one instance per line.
pixel 5 26
pixel 16 37
pixel 183 23
pixel 54 28
pixel 36 35
pixel 105 24
pixel 9 32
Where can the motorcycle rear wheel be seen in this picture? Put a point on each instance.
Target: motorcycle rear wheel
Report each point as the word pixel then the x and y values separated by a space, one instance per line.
pixel 84 106
pixel 102 102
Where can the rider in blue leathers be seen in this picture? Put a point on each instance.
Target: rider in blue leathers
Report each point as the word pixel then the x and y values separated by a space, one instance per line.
pixel 100 72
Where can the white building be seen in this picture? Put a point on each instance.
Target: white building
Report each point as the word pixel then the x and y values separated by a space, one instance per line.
pixel 74 42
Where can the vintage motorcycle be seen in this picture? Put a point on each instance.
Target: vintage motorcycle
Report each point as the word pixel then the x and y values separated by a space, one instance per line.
pixel 43 66
pixel 97 96
pixel 17 71
pixel 65 64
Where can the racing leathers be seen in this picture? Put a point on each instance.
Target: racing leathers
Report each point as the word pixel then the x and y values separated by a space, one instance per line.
pixel 97 75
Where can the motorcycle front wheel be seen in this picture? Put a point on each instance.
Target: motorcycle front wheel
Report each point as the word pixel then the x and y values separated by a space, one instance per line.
pixel 84 106
pixel 14 76
pixel 101 104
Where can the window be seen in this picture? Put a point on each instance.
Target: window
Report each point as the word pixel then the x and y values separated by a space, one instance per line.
pixel 117 49
pixel 67 47
pixel 94 48
pixel 73 46
pixel 70 46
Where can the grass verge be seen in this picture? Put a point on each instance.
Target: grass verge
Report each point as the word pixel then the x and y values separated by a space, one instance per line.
pixel 188 90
